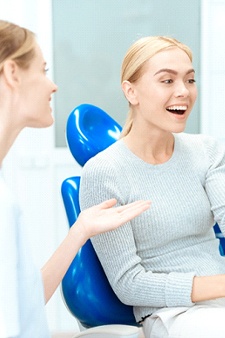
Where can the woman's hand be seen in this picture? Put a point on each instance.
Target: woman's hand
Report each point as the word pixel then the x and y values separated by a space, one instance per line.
pixel 92 221
pixel 102 217
pixel 208 287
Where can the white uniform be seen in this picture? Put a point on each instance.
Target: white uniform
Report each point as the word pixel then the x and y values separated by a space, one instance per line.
pixel 22 307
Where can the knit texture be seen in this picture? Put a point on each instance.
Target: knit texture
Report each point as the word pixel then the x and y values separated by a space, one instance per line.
pixel 151 261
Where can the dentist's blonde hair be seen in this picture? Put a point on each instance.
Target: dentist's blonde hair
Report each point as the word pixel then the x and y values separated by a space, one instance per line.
pixel 17 44
pixel 136 58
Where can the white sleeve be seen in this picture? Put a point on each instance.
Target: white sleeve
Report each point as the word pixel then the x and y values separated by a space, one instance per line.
pixel 9 314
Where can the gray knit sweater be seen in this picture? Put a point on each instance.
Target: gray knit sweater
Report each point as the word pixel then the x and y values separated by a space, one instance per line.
pixel 151 261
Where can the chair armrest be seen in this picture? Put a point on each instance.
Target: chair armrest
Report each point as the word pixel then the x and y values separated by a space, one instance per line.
pixel 110 331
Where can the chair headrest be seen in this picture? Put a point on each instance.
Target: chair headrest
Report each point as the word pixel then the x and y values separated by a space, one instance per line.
pixel 90 130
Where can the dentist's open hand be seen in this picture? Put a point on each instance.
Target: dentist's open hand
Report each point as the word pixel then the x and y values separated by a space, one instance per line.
pixel 103 217
pixel 92 221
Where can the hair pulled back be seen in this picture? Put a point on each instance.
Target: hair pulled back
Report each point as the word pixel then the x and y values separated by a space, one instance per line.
pixel 16 43
pixel 136 58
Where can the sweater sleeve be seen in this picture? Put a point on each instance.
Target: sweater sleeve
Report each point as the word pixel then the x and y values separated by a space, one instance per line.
pixel 215 180
pixel 117 250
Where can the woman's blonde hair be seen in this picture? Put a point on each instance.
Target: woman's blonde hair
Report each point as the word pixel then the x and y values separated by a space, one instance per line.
pixel 137 56
pixel 16 43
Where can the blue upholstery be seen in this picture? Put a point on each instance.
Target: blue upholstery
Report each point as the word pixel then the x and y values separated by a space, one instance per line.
pixel 85 288
pixel 220 236
pixel 89 131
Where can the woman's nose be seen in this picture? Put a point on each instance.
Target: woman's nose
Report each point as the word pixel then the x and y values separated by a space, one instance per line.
pixel 181 90
pixel 55 87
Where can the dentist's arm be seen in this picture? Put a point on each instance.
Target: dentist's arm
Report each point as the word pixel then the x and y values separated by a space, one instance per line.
pixel 92 221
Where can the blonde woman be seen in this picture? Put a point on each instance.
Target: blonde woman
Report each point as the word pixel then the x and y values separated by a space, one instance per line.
pixel 165 263
pixel 25 95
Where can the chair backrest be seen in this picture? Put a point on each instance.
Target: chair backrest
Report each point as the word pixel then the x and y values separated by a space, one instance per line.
pixel 89 131
pixel 86 290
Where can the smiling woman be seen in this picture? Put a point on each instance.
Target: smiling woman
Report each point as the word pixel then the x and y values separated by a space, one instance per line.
pixel 25 94
pixel 173 85
pixel 166 263
pixel 35 93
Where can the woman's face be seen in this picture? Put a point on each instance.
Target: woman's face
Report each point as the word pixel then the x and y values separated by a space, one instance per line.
pixel 164 95
pixel 35 93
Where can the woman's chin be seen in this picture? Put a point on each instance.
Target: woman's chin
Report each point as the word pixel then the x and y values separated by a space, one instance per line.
pixel 179 129
pixel 42 123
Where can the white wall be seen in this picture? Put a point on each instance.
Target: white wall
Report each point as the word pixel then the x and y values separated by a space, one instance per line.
pixel 213 68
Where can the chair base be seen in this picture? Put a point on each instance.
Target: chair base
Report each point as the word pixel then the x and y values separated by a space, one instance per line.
pixel 110 331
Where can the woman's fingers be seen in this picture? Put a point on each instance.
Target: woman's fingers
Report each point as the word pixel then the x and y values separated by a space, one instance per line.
pixel 130 206
pixel 108 203
pixel 129 211
pixel 134 206
pixel 104 217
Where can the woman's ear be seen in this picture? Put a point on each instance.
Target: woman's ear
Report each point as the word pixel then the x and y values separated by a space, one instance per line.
pixel 10 71
pixel 129 92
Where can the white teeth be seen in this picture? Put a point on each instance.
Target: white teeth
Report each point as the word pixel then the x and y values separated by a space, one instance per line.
pixel 177 108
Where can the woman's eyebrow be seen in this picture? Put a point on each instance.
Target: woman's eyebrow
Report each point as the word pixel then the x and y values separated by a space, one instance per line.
pixel 168 70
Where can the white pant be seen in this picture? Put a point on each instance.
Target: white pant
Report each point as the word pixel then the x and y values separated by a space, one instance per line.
pixel 203 320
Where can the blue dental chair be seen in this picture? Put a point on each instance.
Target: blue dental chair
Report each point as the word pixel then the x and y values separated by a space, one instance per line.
pixel 85 288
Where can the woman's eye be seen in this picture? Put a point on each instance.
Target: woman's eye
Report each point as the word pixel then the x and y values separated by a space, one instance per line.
pixel 167 81
pixel 191 81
